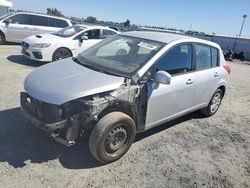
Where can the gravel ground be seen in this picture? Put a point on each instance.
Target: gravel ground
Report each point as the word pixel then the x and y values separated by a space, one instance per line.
pixel 189 152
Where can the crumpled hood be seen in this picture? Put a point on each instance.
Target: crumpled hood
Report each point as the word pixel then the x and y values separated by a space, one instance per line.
pixel 42 38
pixel 65 80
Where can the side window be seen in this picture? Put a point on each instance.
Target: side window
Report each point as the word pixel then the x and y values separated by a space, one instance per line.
pixel 107 33
pixel 203 56
pixel 92 34
pixel 39 20
pixel 177 60
pixel 53 22
pixel 215 57
pixel 21 19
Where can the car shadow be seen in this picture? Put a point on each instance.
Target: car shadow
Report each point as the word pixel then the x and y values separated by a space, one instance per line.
pixel 21 143
pixel 22 60
pixel 150 132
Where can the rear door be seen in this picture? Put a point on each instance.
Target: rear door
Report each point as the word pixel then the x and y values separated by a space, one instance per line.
pixel 169 101
pixel 207 72
pixel 19 28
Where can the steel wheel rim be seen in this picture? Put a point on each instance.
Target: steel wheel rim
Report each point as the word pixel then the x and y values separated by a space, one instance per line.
pixel 215 102
pixel 117 139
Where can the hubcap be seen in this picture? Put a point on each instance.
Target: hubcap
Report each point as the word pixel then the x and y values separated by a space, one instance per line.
pixel 215 102
pixel 116 139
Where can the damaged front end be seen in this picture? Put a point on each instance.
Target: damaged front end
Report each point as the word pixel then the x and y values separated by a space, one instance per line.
pixel 68 122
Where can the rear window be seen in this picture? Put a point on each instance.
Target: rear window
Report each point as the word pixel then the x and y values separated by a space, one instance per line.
pixel 53 22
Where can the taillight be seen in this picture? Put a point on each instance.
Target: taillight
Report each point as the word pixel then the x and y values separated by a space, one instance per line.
pixel 227 68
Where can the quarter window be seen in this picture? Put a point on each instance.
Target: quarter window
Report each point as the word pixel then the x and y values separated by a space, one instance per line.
pixel 107 33
pixel 215 57
pixel 53 22
pixel 176 60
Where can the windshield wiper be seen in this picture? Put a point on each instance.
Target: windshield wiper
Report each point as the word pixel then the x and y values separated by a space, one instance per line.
pixel 75 59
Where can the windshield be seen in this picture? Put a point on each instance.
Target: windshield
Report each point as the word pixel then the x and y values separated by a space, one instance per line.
pixel 120 55
pixel 69 31
pixel 5 16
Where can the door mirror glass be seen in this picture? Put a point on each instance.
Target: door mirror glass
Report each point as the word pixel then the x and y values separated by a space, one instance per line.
pixel 162 77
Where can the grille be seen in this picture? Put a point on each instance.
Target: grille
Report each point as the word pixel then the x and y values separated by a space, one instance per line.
pixel 42 111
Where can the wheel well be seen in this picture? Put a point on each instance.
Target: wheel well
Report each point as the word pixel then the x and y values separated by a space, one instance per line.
pixel 2 33
pixel 119 107
pixel 223 89
pixel 61 48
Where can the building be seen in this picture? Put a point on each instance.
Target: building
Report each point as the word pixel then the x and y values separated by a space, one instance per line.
pixel 4 6
pixel 230 43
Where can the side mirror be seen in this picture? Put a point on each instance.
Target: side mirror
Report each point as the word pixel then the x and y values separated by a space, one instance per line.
pixel 161 77
pixel 8 21
pixel 83 38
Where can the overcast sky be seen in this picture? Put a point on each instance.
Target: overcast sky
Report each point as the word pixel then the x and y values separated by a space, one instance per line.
pixel 219 16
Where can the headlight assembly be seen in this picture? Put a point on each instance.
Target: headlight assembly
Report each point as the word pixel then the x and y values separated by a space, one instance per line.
pixel 41 45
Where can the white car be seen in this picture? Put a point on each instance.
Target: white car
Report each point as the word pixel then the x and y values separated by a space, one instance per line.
pixel 65 43
pixel 15 27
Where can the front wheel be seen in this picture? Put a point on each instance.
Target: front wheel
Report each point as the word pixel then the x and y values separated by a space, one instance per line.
pixel 61 53
pixel 112 137
pixel 214 104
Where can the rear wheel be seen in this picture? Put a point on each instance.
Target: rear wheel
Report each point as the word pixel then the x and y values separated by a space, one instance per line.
pixel 2 38
pixel 214 104
pixel 112 137
pixel 61 53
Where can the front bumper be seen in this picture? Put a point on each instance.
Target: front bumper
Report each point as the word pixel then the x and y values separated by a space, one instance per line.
pixel 37 54
pixel 63 131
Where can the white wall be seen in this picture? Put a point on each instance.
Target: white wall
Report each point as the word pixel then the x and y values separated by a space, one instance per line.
pixel 3 10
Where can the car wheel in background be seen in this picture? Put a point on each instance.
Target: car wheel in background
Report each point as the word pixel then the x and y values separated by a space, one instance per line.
pixel 61 53
pixel 2 38
pixel 214 104
pixel 112 136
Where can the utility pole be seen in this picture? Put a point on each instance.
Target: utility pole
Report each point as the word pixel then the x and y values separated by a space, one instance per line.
pixel 244 18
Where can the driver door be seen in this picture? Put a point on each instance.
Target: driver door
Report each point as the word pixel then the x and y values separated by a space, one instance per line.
pixel 94 36
pixel 173 100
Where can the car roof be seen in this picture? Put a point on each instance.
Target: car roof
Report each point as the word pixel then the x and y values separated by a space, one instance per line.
pixel 166 37
pixel 40 14
pixel 94 27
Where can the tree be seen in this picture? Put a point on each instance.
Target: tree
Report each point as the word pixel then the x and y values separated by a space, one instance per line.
pixel 127 23
pixel 54 12
pixel 91 19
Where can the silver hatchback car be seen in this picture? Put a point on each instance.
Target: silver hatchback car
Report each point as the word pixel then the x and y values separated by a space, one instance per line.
pixel 124 85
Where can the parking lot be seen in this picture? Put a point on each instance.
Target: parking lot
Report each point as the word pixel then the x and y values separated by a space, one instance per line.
pixel 189 152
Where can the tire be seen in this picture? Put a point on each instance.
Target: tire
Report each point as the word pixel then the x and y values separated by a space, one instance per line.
pixel 112 137
pixel 214 104
pixel 61 53
pixel 2 38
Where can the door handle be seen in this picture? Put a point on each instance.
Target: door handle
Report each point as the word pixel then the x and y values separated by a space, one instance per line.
pixel 216 74
pixel 189 81
pixel 26 28
pixel 35 28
